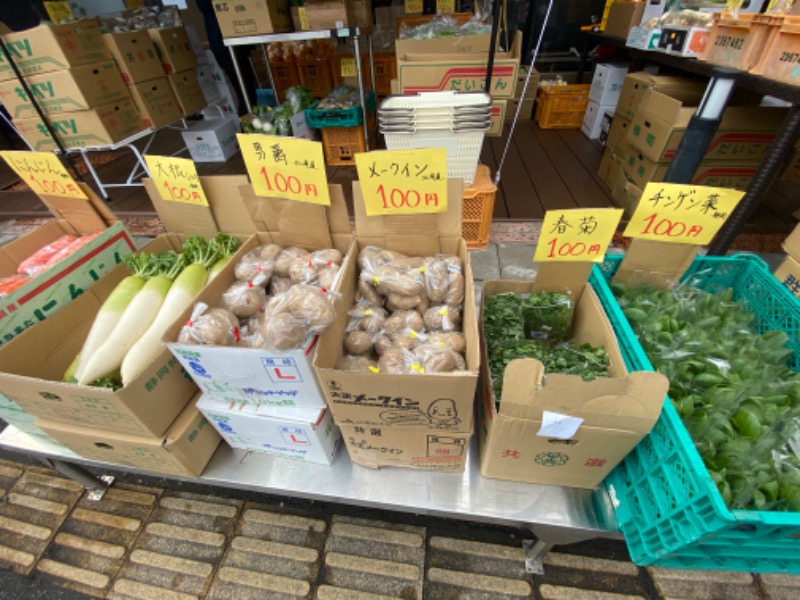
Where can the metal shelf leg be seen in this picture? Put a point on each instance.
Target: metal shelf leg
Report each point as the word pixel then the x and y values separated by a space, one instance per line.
pixel 236 68
pixel 96 486
pixel 361 94
pixel 535 551
pixel 95 176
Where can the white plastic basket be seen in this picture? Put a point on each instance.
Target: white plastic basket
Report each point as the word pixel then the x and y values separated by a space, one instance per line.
pixel 454 121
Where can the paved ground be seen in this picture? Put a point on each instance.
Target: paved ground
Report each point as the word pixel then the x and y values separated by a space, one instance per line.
pixel 155 538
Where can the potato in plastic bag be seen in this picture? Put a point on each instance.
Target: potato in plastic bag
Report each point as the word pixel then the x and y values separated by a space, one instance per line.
pixel 358 342
pixel 326 278
pixel 436 278
pixel 366 318
pixel 244 298
pixel 285 259
pixel 357 364
pixel 442 318
pixel 398 302
pixel 399 361
pixel 279 285
pixel 258 260
pixel 211 327
pixel 307 303
pixel 283 331
pixel 437 359
pixel 402 320
pixel 453 340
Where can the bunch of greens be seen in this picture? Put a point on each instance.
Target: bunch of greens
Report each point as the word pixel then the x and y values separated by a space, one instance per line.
pixel 504 326
pixel 731 386
pixel 548 316
pixel 278 120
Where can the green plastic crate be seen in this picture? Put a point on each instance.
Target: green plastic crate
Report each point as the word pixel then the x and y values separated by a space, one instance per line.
pixel 667 506
pixel 345 117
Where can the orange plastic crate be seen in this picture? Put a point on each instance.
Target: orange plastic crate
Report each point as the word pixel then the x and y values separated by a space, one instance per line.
pixel 476 219
pixel 740 42
pixel 316 75
pixel 343 143
pixel 385 71
pixel 285 75
pixel 562 106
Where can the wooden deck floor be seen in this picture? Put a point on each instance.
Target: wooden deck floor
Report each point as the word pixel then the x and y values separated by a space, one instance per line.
pixel 543 170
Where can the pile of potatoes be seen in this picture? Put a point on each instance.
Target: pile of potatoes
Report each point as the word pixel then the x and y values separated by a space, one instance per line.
pixel 407 315
pixel 279 299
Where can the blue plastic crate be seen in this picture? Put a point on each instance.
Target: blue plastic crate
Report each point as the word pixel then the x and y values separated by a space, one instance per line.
pixel 345 117
pixel 668 507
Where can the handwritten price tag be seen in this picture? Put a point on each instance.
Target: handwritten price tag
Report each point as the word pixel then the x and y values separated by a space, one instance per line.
pixel 44 173
pixel 283 167
pixel 685 214
pixel 580 235
pixel 349 67
pixel 301 11
pixel 414 7
pixel 176 179
pixel 445 7
pixel 395 182
pixel 59 11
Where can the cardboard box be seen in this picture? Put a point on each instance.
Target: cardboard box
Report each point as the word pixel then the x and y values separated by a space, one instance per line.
pixel 525 114
pixel 212 140
pixel 593 119
pixel 607 83
pixel 187 91
pixel 611 414
pixel 78 88
pixel 618 131
pixel 731 174
pixel 185 449
pixel 653 9
pixel 101 126
pixel 428 401
pixel 533 84
pixel 303 434
pixel 427 450
pixel 683 41
pixel 458 72
pixel 299 18
pixel 605 126
pixel 174 49
pixel 253 375
pixel 745 132
pixel 636 84
pixel 51 290
pixel 622 16
pixel 499 112
pixel 629 198
pixel 13 414
pixel 788 274
pixel 792 244
pixel 464 44
pixel 643 38
pixel 336 14
pixel 156 102
pixel 208 85
pixel 136 55
pixel 253 17
pixel 48 48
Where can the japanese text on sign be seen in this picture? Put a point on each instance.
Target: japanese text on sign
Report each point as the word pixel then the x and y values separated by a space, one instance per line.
pixel 176 179
pixel 282 167
pixel 414 7
pixel 59 11
pixel 445 7
pixel 686 214
pixel 403 181
pixel 44 173
pixel 349 67
pixel 580 235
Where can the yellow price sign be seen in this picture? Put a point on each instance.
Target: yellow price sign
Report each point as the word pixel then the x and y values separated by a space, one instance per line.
pixel 445 7
pixel 301 12
pixel 59 11
pixel 284 167
pixel 349 67
pixel 734 5
pixel 134 3
pixel 403 182
pixel 44 173
pixel 577 235
pixel 685 214
pixel 176 179
pixel 414 7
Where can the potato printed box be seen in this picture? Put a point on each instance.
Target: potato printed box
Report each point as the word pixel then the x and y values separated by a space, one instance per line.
pixel 48 292
pixel 559 429
pixel 48 48
pixel 184 450
pixel 304 434
pixel 135 54
pixel 257 376
pixel 78 88
pixel 174 49
pixel 429 401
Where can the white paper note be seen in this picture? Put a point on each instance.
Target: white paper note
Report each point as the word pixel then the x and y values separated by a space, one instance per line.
pixel 559 426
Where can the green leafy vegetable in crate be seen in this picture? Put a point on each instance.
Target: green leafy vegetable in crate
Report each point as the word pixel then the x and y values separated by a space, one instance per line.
pixel 731 386
pixel 509 318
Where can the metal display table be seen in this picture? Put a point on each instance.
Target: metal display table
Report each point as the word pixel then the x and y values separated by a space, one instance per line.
pixel 555 515
pixel 356 33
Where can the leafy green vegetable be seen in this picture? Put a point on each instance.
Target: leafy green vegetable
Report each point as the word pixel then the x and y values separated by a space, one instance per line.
pixel 731 386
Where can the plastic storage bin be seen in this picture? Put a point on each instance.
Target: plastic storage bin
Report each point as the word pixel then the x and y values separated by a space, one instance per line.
pixel 343 143
pixel 285 75
pixel 667 505
pixel 476 221
pixel 740 42
pixel 385 71
pixel 562 106
pixel 316 75
pixel 345 117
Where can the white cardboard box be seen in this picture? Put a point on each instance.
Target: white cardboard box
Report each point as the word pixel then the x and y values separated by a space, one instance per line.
pixel 306 434
pixel 212 140
pixel 607 83
pixel 205 76
pixel 593 119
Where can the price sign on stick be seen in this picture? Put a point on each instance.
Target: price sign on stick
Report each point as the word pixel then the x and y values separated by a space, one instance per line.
pixel 445 7
pixel 349 67
pixel 44 173
pixel 284 167
pixel 403 182
pixel 685 214
pixel 414 7
pixel 580 235
pixel 176 179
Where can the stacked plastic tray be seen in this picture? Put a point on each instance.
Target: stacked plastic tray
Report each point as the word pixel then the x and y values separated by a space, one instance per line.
pixel 454 121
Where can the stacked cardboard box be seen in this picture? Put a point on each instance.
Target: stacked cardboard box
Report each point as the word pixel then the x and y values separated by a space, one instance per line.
pixel 421 421
pixel 335 14
pixel 526 112
pixel 253 17
pixel 788 272
pixel 651 117
pixel 71 75
pixel 603 96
